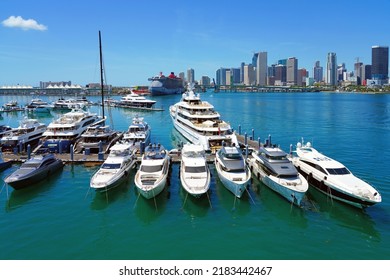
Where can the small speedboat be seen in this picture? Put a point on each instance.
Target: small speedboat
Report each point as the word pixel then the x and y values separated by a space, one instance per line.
pixel 194 172
pixel 115 169
pixel 34 170
pixel 152 175
pixel 232 170
pixel 332 178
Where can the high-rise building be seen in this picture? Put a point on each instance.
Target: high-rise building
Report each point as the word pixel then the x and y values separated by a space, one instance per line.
pixel 261 69
pixel 331 69
pixel 380 63
pixel 183 78
pixel 205 81
pixel 366 73
pixel 254 59
pixel 242 72
pixel 358 68
pixel 190 76
pixel 281 74
pixel 341 73
pixel 292 71
pixel 235 74
pixel 318 72
pixel 249 75
pixel 302 75
pixel 221 76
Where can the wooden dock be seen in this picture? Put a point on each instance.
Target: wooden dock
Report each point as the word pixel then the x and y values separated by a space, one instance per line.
pixel 96 159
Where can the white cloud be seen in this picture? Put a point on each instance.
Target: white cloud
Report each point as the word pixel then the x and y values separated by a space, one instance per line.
pixel 25 24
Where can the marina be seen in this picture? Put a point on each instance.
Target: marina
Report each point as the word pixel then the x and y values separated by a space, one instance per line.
pixel 320 229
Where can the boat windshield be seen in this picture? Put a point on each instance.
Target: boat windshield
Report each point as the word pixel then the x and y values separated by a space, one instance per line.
pixel 151 168
pixel 338 171
pixel 111 165
pixel 31 164
pixel 195 169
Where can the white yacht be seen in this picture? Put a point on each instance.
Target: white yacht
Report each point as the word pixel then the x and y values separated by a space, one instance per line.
pixel 115 169
pixel 152 175
pixel 134 100
pixel 138 132
pixel 197 121
pixel 333 178
pixel 97 137
pixel 68 104
pixel 194 172
pixel 28 132
pixel 232 170
pixel 64 131
pixel 39 106
pixel 271 165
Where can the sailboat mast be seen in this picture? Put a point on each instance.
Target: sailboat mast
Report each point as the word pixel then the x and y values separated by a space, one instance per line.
pixel 101 72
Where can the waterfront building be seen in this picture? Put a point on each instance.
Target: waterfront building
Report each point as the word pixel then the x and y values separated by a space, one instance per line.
pixel 282 61
pixel 221 76
pixel 380 64
pixel 358 72
pixel 249 75
pixel 228 78
pixel 62 84
pixel 242 72
pixel 331 69
pixel 292 71
pixel 191 75
pixel 341 70
pixel 205 81
pixel 318 72
pixel 302 75
pixel 261 69
pixel 182 77
pixel 366 73
pixel 281 74
pixel 254 59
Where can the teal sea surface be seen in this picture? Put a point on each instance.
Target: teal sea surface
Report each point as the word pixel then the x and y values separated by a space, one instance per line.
pixel 61 218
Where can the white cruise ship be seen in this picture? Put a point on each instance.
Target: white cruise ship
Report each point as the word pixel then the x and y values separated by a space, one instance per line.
pixel 197 121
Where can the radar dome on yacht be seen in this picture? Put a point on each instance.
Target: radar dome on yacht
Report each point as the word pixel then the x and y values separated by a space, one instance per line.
pixel 308 144
pixel 299 145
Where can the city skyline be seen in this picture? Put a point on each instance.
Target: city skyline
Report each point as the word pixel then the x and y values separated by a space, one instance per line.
pixel 141 39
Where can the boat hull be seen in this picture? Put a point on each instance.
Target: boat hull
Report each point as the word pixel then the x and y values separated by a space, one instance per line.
pixel 331 191
pixel 236 187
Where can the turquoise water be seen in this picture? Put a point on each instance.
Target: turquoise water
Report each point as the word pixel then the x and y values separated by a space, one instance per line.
pixel 62 219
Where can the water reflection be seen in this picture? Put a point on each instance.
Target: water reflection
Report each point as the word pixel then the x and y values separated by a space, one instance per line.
pixel 345 215
pixel 279 206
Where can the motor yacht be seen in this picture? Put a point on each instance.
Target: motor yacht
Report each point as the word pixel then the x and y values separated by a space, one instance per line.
pixel 115 168
pixel 39 106
pixel 152 175
pixel 28 132
pixel 194 172
pixel 134 100
pixel 34 170
pixel 333 178
pixel 64 131
pixel 138 133
pixel 97 138
pixel 198 122
pixel 232 170
pixel 271 165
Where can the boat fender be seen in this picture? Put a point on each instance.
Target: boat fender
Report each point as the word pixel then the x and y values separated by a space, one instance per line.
pixel 258 175
pixel 126 173
pixel 325 178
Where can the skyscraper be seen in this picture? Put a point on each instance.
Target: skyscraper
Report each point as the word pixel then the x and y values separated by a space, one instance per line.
pixel 292 71
pixel 318 72
pixel 331 69
pixel 261 69
pixel 191 75
pixel 380 63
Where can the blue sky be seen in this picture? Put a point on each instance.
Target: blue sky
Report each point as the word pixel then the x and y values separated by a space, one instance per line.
pixel 58 40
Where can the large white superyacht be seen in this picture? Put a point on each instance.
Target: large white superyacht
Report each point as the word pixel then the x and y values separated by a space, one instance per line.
pixel 197 121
